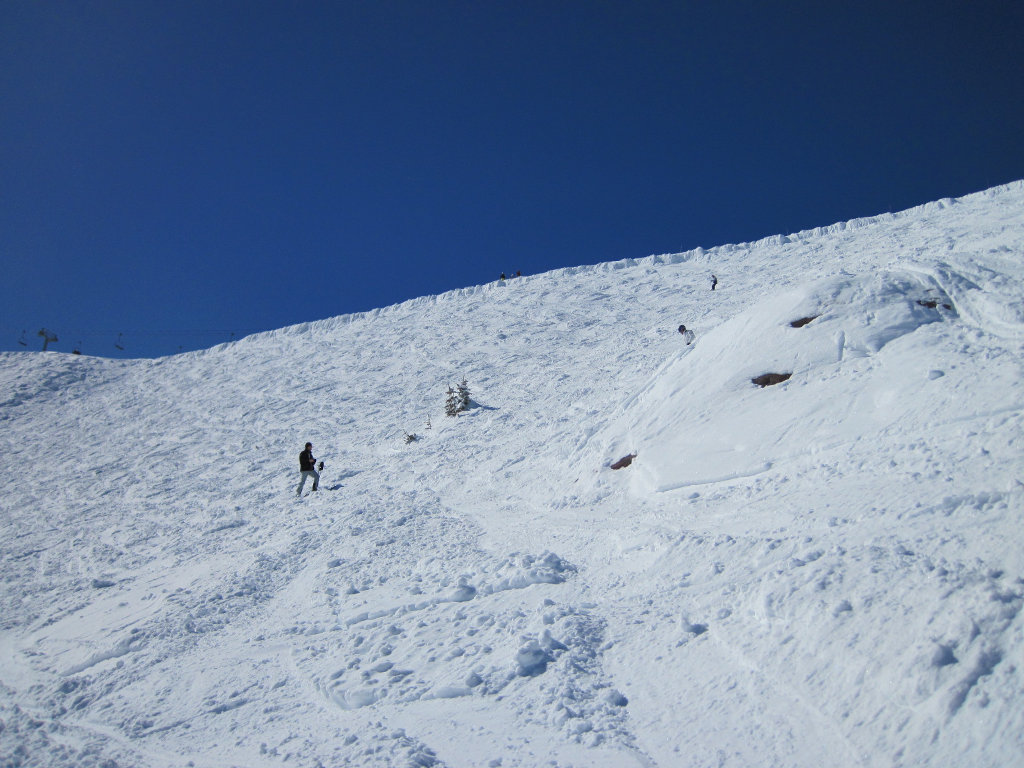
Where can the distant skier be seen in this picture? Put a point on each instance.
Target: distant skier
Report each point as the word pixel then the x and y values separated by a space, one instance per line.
pixel 307 465
pixel 687 335
pixel 714 282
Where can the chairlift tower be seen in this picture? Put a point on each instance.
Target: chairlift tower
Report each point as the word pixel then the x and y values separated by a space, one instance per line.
pixel 48 336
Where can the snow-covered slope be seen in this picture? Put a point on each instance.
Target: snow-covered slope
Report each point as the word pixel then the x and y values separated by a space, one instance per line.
pixel 826 571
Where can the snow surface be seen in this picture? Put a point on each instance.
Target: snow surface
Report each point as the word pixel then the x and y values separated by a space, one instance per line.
pixel 824 572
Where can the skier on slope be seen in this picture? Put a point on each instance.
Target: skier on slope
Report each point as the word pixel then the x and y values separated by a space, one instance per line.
pixel 687 334
pixel 307 465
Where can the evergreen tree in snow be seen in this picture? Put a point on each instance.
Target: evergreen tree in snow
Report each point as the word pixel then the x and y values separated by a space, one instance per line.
pixel 451 404
pixel 458 399
pixel 463 393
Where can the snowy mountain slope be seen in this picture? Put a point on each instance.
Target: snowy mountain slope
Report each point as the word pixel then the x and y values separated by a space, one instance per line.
pixel 822 572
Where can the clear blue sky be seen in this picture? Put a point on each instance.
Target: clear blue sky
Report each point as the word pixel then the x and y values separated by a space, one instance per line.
pixel 176 172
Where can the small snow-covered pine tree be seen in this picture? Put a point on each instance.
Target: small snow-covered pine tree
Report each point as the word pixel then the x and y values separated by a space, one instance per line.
pixel 458 399
pixel 451 404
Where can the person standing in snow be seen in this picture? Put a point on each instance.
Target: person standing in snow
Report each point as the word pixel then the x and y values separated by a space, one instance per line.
pixel 307 465
pixel 714 282
pixel 687 334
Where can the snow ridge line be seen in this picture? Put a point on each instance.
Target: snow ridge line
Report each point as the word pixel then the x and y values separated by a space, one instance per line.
pixel 695 254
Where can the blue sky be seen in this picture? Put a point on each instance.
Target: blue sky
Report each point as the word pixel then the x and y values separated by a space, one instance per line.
pixel 178 172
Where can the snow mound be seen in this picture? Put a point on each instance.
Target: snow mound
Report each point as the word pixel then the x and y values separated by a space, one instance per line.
pixel 701 418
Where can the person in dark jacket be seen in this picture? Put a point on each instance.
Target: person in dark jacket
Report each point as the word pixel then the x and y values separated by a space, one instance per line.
pixel 307 465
